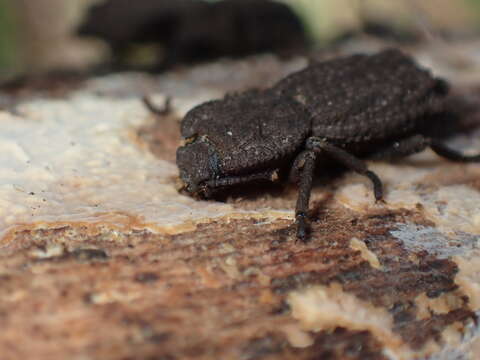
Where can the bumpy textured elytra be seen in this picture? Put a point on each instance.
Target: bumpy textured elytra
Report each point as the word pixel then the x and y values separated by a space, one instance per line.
pixel 361 106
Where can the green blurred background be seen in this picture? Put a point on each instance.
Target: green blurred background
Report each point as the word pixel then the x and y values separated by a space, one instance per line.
pixel 36 35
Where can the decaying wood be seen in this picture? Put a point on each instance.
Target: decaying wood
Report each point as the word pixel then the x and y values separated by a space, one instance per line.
pixel 394 281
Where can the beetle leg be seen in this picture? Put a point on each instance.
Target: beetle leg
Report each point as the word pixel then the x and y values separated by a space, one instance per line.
pixel 303 169
pixel 297 167
pixel 402 148
pixel 351 162
pixel 215 184
pixel 418 143
pixel 444 151
pixel 154 109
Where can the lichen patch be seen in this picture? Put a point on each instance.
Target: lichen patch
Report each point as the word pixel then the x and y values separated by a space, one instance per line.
pixel 419 238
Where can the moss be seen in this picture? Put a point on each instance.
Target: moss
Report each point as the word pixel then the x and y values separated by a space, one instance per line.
pixel 8 45
pixel 475 7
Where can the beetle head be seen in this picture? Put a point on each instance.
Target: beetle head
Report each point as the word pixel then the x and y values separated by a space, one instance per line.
pixel 198 162
pixel 239 135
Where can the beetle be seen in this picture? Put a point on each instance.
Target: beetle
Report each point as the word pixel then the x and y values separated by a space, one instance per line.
pixel 346 109
pixel 195 30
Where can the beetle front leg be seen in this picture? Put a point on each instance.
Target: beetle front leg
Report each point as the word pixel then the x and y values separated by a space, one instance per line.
pixel 211 186
pixel 351 162
pixel 303 169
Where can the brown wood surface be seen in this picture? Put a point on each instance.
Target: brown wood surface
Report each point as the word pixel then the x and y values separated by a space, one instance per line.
pixel 224 290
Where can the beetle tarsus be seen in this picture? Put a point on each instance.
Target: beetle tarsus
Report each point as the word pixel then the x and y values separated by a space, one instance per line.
pixel 377 185
pixel 305 167
pixel 302 228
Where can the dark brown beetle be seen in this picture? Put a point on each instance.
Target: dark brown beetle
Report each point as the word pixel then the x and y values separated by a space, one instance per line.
pixel 345 109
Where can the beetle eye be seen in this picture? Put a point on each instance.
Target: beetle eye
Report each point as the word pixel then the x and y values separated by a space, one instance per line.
pixel 189 140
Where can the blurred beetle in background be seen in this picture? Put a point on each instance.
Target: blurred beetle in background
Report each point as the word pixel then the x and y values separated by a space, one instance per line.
pixel 195 30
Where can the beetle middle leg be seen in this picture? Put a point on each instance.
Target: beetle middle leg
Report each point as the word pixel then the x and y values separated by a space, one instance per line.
pixel 304 167
pixel 418 143
pixel 401 148
pixel 444 151
pixel 348 160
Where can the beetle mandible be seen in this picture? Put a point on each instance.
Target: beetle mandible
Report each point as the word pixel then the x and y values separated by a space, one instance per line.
pixel 347 109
